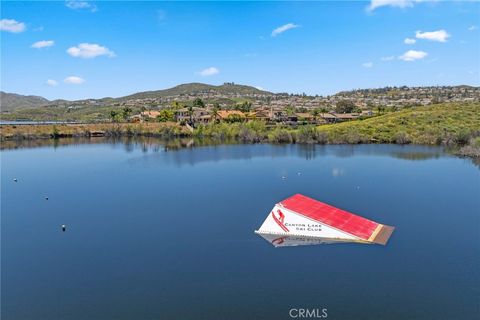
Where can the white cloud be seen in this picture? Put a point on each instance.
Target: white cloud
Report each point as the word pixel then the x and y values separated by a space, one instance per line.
pixel 89 50
pixel 52 83
pixel 409 41
pixel 43 44
pixel 439 35
pixel 284 28
pixel 412 55
pixel 367 64
pixel 472 28
pixel 389 58
pixel 78 5
pixel 209 72
pixel 374 4
pixel 74 80
pixel 260 88
pixel 11 25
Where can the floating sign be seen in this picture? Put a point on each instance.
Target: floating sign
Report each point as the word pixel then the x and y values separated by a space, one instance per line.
pixel 306 218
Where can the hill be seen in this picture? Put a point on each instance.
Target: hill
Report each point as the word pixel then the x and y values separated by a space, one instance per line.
pixel 450 123
pixel 12 101
pixel 197 88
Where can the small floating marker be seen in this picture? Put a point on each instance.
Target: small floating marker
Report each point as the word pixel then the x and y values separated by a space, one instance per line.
pixel 283 177
pixel 299 173
pixel 46 198
pixel 15 180
pixel 64 227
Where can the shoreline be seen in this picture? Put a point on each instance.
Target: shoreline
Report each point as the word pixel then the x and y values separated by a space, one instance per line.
pixel 11 136
pixel 454 126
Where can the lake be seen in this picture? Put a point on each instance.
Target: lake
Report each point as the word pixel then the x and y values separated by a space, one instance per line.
pixel 155 232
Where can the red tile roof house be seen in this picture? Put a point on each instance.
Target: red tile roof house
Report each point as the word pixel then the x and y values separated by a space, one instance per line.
pixel 303 216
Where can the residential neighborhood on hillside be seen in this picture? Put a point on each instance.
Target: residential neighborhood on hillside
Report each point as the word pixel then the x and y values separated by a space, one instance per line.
pixel 201 103
pixel 388 97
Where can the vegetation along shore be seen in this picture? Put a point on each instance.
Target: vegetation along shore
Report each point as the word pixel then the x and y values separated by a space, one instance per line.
pixel 451 124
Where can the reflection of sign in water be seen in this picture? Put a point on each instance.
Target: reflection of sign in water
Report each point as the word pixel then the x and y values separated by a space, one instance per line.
pixel 293 241
pixel 278 241
pixel 301 216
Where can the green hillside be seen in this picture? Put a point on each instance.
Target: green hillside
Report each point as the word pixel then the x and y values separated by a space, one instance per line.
pixel 435 124
pixel 12 101
pixel 196 88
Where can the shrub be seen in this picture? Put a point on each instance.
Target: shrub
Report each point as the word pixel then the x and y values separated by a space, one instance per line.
pixel 462 137
pixel 280 135
pixel 402 137
pixel 248 135
pixel 476 142
pixel 55 132
pixel 306 134
pixel 322 138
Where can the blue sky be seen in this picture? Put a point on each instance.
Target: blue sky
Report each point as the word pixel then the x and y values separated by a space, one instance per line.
pixel 79 49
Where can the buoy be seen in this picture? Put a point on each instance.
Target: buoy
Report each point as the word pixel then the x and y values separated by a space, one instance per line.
pixel 283 177
pixel 15 180
pixel 64 227
pixel 299 173
pixel 46 198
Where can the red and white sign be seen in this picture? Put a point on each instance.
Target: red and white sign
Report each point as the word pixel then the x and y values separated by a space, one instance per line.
pixel 306 217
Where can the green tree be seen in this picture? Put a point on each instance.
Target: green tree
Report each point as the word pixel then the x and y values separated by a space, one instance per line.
pixel 315 114
pixel 176 105
pixel 166 115
pixel 126 111
pixel 190 113
pixel 245 106
pixel 345 106
pixel 380 109
pixel 290 110
pixel 214 112
pixel 113 115
pixel 198 103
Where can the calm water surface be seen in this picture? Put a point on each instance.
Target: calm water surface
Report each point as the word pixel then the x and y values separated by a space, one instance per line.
pixel 159 234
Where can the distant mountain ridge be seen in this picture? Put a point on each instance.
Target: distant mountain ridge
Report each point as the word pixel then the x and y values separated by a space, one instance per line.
pixel 196 88
pixel 13 101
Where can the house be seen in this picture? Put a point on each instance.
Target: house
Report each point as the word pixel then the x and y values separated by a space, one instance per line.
pixel 328 117
pixel 307 117
pixel 347 116
pixel 278 115
pixel 200 115
pixel 259 115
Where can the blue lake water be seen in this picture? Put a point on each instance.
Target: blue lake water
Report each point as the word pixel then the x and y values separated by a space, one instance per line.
pixel 154 233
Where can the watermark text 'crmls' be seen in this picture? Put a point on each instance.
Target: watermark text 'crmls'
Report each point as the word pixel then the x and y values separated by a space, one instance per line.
pixel 305 313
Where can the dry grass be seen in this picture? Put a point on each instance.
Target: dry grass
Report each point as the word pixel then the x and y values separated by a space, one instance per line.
pixel 88 130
